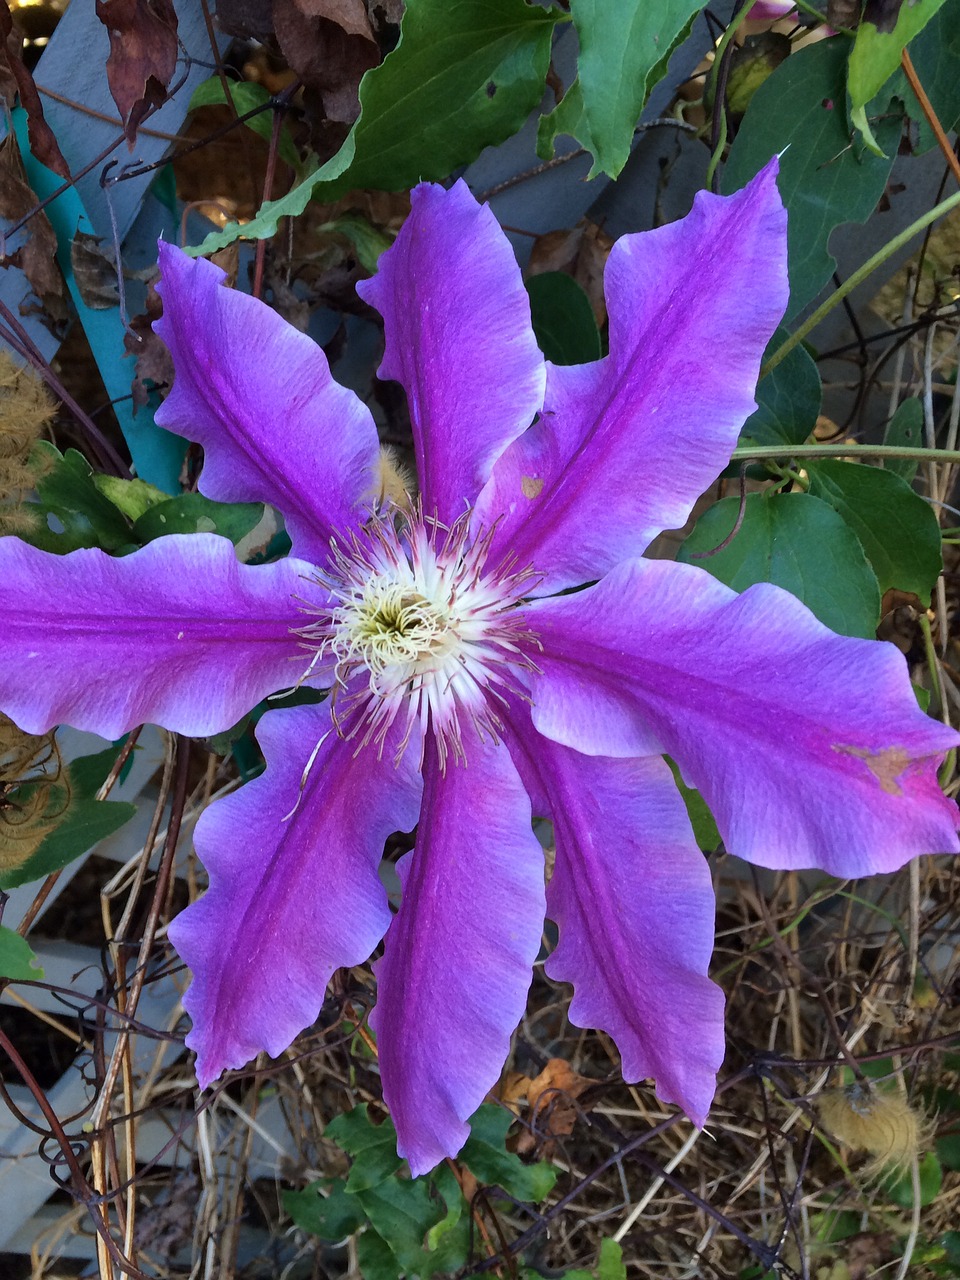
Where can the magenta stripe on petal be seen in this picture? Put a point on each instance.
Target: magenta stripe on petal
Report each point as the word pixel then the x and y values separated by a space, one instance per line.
pixel 294 889
pixel 458 338
pixel 632 897
pixel 458 958
pixel 626 445
pixel 179 634
pixel 259 397
pixel 809 747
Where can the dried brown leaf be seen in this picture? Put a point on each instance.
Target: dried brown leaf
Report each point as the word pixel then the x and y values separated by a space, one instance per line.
pixel 581 252
pixel 95 270
pixel 154 363
pixel 253 18
pixel 327 58
pixel 550 1096
pixel 36 256
pixel 143 56
pixel 43 144
pixel 350 15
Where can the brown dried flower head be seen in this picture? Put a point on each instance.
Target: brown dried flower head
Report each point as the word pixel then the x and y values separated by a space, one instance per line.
pixel 880 1121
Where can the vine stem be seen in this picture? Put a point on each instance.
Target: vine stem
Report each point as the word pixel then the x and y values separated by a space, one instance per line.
pixel 756 453
pixel 871 264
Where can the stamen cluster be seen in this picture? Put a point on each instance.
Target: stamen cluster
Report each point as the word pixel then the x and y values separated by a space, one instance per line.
pixel 420 627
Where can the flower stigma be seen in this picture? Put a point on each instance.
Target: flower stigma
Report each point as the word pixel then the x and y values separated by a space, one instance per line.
pixel 419 626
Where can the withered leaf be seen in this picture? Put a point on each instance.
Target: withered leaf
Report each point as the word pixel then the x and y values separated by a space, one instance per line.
pixel 154 363
pixel 329 59
pixel 246 18
pixel 143 56
pixel 36 256
pixel 95 270
pixel 43 144
pixel 581 252
pixel 351 15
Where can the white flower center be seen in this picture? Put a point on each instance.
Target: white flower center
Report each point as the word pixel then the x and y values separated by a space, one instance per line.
pixel 419 627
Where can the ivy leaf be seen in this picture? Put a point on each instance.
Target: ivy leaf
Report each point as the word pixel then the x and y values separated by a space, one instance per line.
pixel 331 1217
pixel 876 54
pixel 85 821
pixel 402 1211
pixel 17 961
pixel 611 1265
pixel 68 497
pixel 899 1188
pixel 788 399
pixel 463 76
pixel 193 513
pixel 798 542
pixel 373 1147
pixel 562 319
pixel 487 1159
pixel 625 46
pixel 248 95
pixel 896 528
pixel 824 180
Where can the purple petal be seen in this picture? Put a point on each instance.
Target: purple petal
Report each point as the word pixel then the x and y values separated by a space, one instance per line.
pixel 179 633
pixel 458 338
pixel 809 747
pixel 258 395
pixel 459 956
pixel 294 890
pixel 626 445
pixel 632 896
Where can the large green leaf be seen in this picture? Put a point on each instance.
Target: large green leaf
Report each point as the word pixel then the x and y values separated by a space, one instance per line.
pixel 487 1159
pixel 17 961
pixel 896 528
pixel 563 319
pixel 624 49
pixel 373 1147
pixel 825 180
pixel 85 821
pixel 70 510
pixel 402 1211
pixel 905 429
pixel 935 54
pixel 465 75
pixel 788 399
pixel 798 542
pixel 876 54
pixel 193 513
pixel 331 1217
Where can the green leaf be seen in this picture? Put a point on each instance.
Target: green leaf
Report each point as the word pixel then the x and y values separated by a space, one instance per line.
pixel 611 1265
pixel 625 46
pixel 563 319
pixel 948 1151
pixel 788 399
pixel 131 497
pixel 402 1211
pixel 373 1147
pixel 375 1259
pixel 899 1188
pixel 463 76
pixel 448 1188
pixel 896 528
pixel 193 513
pixel 824 180
pixel 86 821
pixel 331 1217
pixel 905 429
pixel 701 819
pixel 935 54
pixel 799 543
pixel 69 497
pixel 368 241
pixel 875 57
pixel 488 1160
pixel 247 96
pixel 17 961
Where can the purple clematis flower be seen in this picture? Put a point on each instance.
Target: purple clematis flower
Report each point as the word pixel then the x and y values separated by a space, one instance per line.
pixel 471 687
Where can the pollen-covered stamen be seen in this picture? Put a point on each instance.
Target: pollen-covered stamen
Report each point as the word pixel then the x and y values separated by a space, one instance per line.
pixel 420 628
